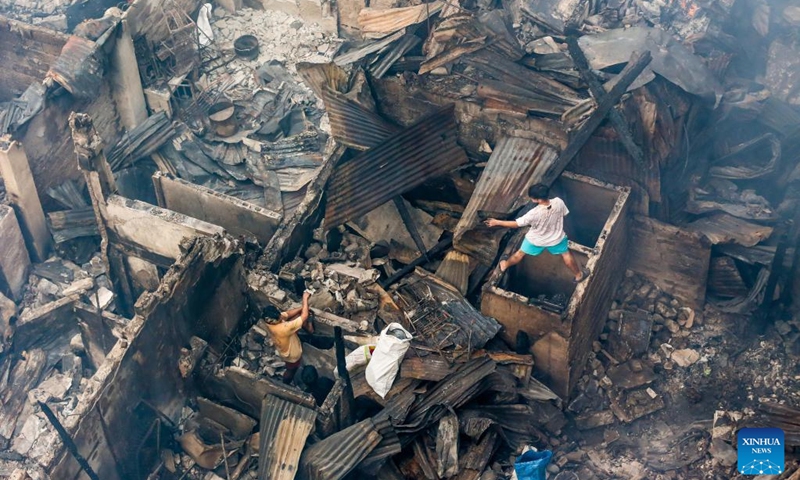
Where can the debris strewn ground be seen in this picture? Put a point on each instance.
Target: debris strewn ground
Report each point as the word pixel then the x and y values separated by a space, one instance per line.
pixel 160 216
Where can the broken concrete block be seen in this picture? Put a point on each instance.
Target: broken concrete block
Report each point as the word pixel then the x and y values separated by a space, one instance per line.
pixel 103 298
pixel 54 389
pixel 685 357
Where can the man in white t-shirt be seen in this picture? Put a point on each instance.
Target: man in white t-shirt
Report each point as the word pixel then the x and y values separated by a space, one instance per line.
pixel 546 231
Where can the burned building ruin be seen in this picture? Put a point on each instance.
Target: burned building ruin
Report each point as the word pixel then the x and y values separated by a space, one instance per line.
pixel 175 174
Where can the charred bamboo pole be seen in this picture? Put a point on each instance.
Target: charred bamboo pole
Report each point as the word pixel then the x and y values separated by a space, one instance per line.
pixel 438 248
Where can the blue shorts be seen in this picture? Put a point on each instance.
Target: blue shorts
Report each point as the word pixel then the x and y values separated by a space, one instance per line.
pixel 530 249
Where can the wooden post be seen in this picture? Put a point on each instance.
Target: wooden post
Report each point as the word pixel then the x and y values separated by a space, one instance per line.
pixel 341 367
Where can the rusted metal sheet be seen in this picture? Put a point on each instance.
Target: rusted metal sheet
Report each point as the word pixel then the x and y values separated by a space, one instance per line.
pixel 354 125
pixel 452 392
pixel 379 22
pixel 78 69
pixel 285 426
pixel 513 74
pixel 674 259
pixel 318 76
pixel 393 54
pixel 388 447
pixel 606 159
pixel 455 270
pixel 515 164
pixel 337 455
pixel 402 162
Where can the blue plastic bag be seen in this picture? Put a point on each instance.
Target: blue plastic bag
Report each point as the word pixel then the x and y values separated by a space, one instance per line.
pixel 532 465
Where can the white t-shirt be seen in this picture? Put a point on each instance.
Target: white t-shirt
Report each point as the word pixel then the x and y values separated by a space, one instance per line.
pixel 546 222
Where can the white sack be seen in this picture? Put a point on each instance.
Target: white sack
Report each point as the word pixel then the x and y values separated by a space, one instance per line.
pixel 386 358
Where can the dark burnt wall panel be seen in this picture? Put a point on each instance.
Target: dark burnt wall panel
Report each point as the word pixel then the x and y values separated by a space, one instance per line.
pixel 146 380
pixel 48 144
pixel 26 54
pixel 608 271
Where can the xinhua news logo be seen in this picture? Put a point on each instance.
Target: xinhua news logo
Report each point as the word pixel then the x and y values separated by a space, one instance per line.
pixel 760 451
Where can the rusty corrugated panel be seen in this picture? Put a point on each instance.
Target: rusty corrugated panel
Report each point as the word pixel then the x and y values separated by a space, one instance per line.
pixel 337 455
pixel 318 76
pixel 378 22
pixel 534 83
pixel 353 125
pixel 724 228
pixel 284 428
pixel 400 163
pixel 515 164
pixel 455 270
pixel 78 69
pixel 388 447
pixel 606 159
pixel 393 54
pixel 452 392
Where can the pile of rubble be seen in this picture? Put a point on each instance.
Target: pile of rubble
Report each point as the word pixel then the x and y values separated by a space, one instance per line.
pixel 44 13
pixel 656 368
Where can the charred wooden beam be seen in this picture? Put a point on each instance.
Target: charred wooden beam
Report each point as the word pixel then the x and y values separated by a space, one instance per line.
pixel 438 248
pixel 408 221
pixel 341 368
pixel 68 442
pixel 616 118
pixel 631 71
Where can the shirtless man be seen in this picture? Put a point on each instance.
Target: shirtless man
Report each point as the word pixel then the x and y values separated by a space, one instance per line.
pixel 546 232
pixel 284 334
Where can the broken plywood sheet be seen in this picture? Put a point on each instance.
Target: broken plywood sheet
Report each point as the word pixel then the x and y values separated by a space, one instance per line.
pixel 724 228
pixel 676 260
pixel 384 224
pixel 379 22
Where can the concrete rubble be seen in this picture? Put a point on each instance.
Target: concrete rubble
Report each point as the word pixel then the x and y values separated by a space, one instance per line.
pixel 173 174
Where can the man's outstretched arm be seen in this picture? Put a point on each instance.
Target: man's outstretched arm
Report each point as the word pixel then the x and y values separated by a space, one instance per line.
pixel 493 222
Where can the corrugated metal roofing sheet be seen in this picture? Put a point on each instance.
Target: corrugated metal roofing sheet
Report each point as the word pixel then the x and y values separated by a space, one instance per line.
pixel 515 164
pixel 400 163
pixel 77 69
pixel 606 159
pixel 353 125
pixel 285 426
pixel 452 392
pixel 378 22
pixel 337 455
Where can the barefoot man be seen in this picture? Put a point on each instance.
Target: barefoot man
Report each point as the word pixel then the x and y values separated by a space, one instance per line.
pixel 284 334
pixel 546 232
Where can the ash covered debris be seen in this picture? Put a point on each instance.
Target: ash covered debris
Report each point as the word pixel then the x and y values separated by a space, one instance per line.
pixel 355 150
